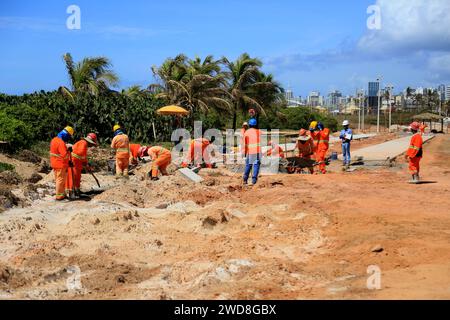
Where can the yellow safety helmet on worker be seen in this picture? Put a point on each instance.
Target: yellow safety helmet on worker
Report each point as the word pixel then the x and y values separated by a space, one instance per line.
pixel 69 130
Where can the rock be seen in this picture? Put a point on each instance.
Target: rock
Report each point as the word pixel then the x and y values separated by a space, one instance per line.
pixel 44 167
pixel 96 221
pixel 209 222
pixel 10 178
pixel 378 248
pixel 210 183
pixel 35 177
pixel 120 279
pixel 162 206
pixel 127 216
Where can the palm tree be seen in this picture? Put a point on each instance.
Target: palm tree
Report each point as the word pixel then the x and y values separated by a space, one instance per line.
pixel 134 91
pixel 194 84
pixel 268 92
pixel 242 74
pixel 91 75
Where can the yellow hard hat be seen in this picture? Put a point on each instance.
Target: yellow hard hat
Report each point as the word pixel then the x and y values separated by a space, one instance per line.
pixel 69 130
pixel 313 124
pixel 116 127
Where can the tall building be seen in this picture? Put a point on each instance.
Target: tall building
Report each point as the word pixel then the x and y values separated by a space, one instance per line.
pixel 289 95
pixel 333 99
pixel 374 87
pixel 447 93
pixel 441 91
pixel 314 99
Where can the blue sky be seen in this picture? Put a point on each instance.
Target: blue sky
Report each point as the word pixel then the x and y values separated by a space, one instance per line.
pixel 307 45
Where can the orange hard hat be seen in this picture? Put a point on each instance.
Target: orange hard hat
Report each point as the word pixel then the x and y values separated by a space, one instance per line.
pixel 415 125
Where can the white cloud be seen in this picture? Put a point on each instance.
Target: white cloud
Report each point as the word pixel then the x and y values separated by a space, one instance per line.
pixel 406 25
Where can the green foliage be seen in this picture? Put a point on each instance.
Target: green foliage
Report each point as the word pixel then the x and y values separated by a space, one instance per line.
pixel 6 167
pixel 295 119
pixel 16 132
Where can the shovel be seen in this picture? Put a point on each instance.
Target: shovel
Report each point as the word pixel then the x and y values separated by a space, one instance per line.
pixel 95 178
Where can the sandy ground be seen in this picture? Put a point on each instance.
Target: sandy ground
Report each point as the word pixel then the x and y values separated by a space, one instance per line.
pixel 289 237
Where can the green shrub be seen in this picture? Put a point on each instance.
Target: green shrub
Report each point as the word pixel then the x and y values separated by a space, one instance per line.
pixel 6 167
pixel 14 131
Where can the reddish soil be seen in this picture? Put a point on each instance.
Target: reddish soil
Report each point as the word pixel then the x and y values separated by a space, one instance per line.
pixel 289 237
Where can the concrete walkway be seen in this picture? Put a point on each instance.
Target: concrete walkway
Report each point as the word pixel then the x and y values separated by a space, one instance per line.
pixel 291 146
pixel 386 150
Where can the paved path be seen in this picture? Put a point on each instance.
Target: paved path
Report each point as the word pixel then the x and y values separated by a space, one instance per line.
pixel 291 146
pixel 390 149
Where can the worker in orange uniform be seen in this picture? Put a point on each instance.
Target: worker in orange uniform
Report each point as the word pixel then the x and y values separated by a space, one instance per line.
pixel 415 152
pixel 79 160
pixel 275 150
pixel 305 146
pixel 314 134
pixel 121 144
pixel 252 151
pixel 422 128
pixel 321 135
pixel 161 158
pixel 197 153
pixel 134 153
pixel 59 160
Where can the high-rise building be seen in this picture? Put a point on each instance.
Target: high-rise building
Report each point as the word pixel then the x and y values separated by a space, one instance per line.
pixel 289 95
pixel 441 91
pixel 333 99
pixel 314 99
pixel 374 88
pixel 447 93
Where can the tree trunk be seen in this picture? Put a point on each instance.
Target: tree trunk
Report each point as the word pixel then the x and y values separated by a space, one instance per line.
pixel 235 118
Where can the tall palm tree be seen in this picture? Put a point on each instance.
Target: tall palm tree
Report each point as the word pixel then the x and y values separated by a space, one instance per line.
pixel 241 74
pixel 90 75
pixel 195 84
pixel 134 91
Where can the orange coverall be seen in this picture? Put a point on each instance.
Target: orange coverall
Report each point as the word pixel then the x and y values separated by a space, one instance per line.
pixel 122 145
pixel 306 150
pixel 59 161
pixel 415 153
pixel 276 151
pixel 161 158
pixel 134 150
pixel 197 154
pixel 79 159
pixel 323 139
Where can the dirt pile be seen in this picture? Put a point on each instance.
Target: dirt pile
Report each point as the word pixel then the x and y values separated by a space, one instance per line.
pixel 139 191
pixel 28 156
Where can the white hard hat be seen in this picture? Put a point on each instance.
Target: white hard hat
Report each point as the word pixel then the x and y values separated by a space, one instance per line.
pixel 345 123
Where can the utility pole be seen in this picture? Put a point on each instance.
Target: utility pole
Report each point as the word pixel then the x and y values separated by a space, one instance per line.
pixel 379 104
pixel 389 89
pixel 364 109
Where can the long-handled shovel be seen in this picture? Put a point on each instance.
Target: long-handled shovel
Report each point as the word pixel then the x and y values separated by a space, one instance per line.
pixel 96 180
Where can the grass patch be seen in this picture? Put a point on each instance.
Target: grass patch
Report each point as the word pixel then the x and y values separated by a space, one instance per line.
pixel 41 148
pixel 6 167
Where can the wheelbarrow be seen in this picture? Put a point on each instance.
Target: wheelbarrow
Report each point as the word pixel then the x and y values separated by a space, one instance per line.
pixel 293 165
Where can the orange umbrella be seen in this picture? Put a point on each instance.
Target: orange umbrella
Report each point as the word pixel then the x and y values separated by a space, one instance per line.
pixel 172 111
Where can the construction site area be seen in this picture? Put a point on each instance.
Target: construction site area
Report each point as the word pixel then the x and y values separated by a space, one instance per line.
pixel 291 236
